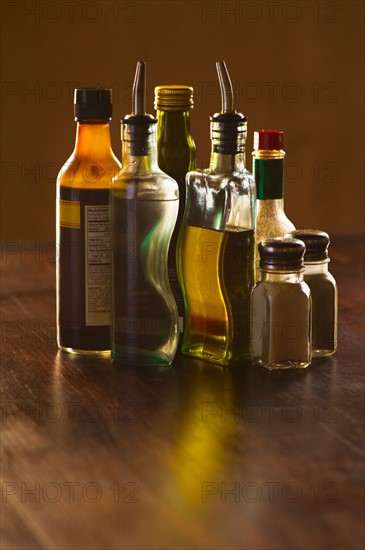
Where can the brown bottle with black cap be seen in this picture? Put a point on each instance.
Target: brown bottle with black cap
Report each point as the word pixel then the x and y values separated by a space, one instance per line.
pixel 281 307
pixel 83 232
pixel 323 289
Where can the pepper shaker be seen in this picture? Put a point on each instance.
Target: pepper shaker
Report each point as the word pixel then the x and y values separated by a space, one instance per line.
pixel 323 290
pixel 281 307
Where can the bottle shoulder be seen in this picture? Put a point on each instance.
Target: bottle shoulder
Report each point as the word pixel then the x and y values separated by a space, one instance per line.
pixel 218 200
pixel 154 184
pixel 320 279
pixel 86 171
pixel 221 179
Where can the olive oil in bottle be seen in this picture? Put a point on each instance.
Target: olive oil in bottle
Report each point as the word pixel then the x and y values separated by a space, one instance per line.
pixel 217 267
pixel 216 247
pixel 176 157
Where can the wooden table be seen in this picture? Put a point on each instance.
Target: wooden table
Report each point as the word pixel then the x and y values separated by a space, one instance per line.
pixel 98 456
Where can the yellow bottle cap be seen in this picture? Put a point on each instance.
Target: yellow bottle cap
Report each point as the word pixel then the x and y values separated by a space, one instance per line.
pixel 174 97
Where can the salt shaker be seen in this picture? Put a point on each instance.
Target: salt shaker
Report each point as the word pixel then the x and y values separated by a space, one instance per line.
pixel 281 307
pixel 323 290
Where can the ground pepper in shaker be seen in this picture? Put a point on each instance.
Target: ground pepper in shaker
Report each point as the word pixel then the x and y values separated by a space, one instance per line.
pixel 281 307
pixel 323 290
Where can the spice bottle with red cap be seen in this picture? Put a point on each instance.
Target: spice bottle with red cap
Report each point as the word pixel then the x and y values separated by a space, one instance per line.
pixel 268 170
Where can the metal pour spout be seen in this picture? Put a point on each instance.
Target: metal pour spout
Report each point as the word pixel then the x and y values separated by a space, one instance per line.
pixel 226 88
pixel 139 90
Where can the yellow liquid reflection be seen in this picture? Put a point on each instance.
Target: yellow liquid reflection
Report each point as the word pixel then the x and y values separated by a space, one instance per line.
pixel 201 453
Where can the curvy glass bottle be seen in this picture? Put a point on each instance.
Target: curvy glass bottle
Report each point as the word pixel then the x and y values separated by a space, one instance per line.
pixel 216 260
pixel 145 204
pixel 216 244
pixel 83 233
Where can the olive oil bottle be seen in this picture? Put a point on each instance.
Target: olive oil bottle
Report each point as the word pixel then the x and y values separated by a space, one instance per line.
pixel 176 157
pixel 83 232
pixel 216 246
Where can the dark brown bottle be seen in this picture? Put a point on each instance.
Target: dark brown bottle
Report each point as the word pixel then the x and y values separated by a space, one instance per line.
pixel 83 230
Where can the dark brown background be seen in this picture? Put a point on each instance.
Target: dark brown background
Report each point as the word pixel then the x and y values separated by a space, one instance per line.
pixel 297 66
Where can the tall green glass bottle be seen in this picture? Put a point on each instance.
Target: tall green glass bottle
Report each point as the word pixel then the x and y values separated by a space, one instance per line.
pixel 176 157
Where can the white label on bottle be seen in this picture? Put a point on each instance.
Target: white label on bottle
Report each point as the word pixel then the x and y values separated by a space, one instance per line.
pixel 97 265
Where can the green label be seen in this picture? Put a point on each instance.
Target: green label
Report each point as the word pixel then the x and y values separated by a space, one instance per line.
pixel 269 176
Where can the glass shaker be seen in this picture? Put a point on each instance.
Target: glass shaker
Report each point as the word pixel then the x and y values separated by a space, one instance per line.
pixel 323 290
pixel 281 307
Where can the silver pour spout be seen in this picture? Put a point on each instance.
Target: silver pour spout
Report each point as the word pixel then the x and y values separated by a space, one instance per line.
pixel 226 88
pixel 139 90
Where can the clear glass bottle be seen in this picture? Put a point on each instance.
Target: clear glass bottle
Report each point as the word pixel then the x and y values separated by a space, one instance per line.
pixel 83 233
pixel 323 290
pixel 145 204
pixel 176 157
pixel 281 307
pixel 268 170
pixel 216 243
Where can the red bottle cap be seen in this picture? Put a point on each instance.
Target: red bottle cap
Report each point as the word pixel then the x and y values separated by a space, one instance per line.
pixel 268 140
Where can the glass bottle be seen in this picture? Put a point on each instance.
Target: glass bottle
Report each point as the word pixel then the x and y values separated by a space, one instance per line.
pixel 268 170
pixel 281 307
pixel 176 157
pixel 216 243
pixel 323 290
pixel 145 204
pixel 83 233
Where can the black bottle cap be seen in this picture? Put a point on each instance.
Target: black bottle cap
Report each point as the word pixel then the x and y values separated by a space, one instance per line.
pixel 93 104
pixel 137 130
pixel 228 132
pixel 316 243
pixel 281 254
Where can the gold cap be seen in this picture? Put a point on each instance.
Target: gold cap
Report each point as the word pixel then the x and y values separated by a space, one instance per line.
pixel 174 97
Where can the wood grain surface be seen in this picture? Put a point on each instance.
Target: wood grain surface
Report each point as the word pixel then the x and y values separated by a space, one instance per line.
pixel 192 456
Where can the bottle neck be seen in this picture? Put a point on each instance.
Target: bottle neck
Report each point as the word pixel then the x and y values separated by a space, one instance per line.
pixel 133 160
pixel 173 124
pixel 226 163
pixel 316 268
pixel 281 277
pixel 93 140
pixel 268 170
